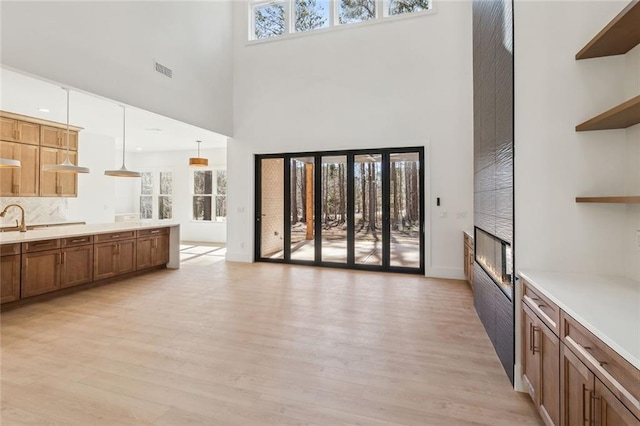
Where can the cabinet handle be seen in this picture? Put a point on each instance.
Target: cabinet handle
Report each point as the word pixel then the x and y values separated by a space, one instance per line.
pixel 78 241
pixel 586 407
pixel 58 259
pixel 155 231
pixel 115 236
pixel 63 258
pixel 593 408
pixel 15 189
pixel 533 341
pixel 530 337
pixel 15 133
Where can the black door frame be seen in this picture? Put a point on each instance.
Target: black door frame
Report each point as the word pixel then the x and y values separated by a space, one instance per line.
pixel 386 191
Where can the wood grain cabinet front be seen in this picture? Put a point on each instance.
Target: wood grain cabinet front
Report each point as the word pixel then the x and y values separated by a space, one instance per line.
pixel 54 184
pixel 40 272
pixel 10 274
pixel 76 266
pixel 153 248
pixel 541 365
pixel 22 181
pixel 55 137
pixel 19 131
pixel 114 258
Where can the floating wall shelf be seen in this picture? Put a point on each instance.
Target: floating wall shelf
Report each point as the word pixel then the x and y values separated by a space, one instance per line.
pixel 618 37
pixel 609 200
pixel 622 116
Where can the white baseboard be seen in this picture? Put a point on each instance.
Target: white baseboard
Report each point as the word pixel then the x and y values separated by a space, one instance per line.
pixel 444 272
pixel 239 257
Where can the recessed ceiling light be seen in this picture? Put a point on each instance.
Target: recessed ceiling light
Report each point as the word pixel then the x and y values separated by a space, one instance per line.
pixel 153 129
pixel 138 149
pixel 44 110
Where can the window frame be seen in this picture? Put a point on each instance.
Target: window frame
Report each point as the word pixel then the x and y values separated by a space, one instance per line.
pixel 155 194
pixel 213 196
pixel 382 15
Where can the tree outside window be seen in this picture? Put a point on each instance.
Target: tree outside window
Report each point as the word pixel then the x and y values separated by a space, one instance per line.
pixel 209 200
pixel 156 189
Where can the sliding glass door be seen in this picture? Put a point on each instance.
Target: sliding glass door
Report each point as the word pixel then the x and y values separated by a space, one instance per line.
pixel 356 209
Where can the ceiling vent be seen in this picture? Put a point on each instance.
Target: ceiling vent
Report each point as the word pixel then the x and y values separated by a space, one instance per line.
pixel 164 70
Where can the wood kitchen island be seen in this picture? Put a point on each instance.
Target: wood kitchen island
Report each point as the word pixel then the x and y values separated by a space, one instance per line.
pixel 44 263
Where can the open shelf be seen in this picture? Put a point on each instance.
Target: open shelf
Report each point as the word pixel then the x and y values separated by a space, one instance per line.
pixel 620 117
pixel 618 37
pixel 609 200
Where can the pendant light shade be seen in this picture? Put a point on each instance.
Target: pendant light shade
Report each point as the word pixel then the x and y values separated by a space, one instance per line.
pixel 7 163
pixel 66 166
pixel 123 171
pixel 198 161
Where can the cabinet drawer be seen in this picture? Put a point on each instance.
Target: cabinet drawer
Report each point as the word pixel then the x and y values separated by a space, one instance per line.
pixel 77 241
pixel 9 249
pixel 622 378
pixel 151 232
pixel 101 238
pixel 40 245
pixel 546 310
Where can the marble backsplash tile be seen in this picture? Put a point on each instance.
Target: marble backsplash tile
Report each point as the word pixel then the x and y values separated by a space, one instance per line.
pixel 37 210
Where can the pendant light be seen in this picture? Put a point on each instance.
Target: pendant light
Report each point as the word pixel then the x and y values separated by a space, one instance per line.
pixel 66 166
pixel 122 171
pixel 198 161
pixel 7 163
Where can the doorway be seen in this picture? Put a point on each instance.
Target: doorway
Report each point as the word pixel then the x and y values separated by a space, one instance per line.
pixel 359 209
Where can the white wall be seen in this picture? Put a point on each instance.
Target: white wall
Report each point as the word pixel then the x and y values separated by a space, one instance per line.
pixel 405 82
pixel 553 163
pixel 178 163
pixel 109 48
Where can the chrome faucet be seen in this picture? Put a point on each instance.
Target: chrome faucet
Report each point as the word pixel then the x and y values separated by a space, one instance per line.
pixel 23 226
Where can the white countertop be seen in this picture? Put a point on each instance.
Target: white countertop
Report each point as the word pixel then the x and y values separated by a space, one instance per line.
pixel 608 306
pixel 78 230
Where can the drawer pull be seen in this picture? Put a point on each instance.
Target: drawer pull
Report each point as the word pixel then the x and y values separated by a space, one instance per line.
pixel 79 240
pixel 115 236
pixel 586 405
pixel 63 258
pixel 533 341
pixel 46 243
pixel 156 231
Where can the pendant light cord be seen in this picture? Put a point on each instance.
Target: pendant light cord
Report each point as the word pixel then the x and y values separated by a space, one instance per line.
pixel 67 89
pixel 124 127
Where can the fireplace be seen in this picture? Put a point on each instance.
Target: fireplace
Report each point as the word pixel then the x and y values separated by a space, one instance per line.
pixel 495 257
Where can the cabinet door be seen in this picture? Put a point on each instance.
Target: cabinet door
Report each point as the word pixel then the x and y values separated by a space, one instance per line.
pixel 40 272
pixel 9 278
pixel 161 255
pixel 28 182
pixel 77 266
pixel 67 182
pixel 28 132
pixel 50 136
pixel 48 180
pixel 548 347
pixel 9 177
pixel 8 129
pixel 530 361
pixel 609 411
pixel 144 250
pixel 104 261
pixel 73 139
pixel 576 390
pixel 126 254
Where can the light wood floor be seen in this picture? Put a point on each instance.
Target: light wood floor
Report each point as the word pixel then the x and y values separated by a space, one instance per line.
pixel 251 344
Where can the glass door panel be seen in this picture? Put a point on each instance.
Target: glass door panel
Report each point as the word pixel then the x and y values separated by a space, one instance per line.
pixel 302 208
pixel 272 208
pixel 368 209
pixel 334 209
pixel 405 208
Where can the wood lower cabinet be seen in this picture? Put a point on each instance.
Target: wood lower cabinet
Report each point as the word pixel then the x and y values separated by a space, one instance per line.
pixel 585 400
pixel 540 365
pixel 40 272
pixel 22 181
pixel 152 251
pixel 76 266
pixel 114 258
pixel 10 273
pixel 54 184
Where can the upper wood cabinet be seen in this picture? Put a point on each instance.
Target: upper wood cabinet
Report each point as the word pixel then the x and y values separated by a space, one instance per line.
pixel 21 181
pixel 14 130
pixel 56 138
pixel 54 184
pixel 36 142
